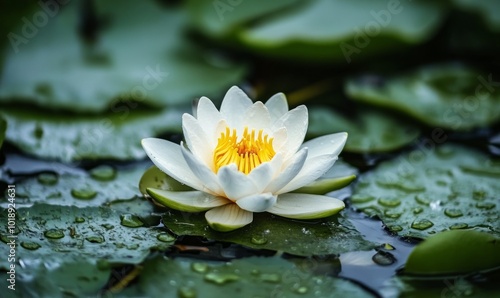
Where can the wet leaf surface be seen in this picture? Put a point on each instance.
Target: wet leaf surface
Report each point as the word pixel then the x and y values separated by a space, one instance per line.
pixel 427 191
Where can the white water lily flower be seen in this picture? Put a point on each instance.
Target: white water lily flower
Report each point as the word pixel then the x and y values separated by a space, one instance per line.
pixel 246 158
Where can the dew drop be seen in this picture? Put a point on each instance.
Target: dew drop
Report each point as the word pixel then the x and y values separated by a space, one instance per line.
pixel 95 239
pixel 389 202
pixel 221 278
pixel 422 224
pixel 4 238
pixel 54 234
pixel 107 226
pixel 199 267
pixel 395 228
pixel 485 205
pixel 79 219
pixel 259 240
pixel 479 195
pixel 48 178
pixel 423 200
pixel 410 186
pixel 452 212
pixel 131 221
pixel 387 246
pixel 459 226
pixel 417 210
pixel 186 292
pixel 361 198
pixel 30 245
pixel 103 173
pixel 165 237
pixel 392 214
pixel 301 290
pixel 383 258
pixel 270 277
pixel 371 211
pixel 83 193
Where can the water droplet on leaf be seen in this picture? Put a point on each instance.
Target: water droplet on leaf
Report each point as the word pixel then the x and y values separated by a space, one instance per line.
pixel 54 234
pixel 79 219
pixel 221 278
pixel 30 245
pixel 83 193
pixel 451 212
pixel 459 226
pixel 361 198
pixel 259 240
pixel 199 267
pixel 485 205
pixel 422 224
pixel 131 221
pixel 383 258
pixel 186 292
pixel 103 173
pixel 48 178
pixel 270 277
pixel 165 237
pixel 95 239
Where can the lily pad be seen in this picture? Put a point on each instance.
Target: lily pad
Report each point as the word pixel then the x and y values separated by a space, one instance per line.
pixel 342 30
pixel 77 137
pixel 433 189
pixel 488 10
pixel 51 235
pixel 74 279
pixel 100 185
pixel 449 96
pixel 333 235
pixel 250 277
pixel 138 52
pixel 454 252
pixel 3 128
pixel 221 18
pixel 369 131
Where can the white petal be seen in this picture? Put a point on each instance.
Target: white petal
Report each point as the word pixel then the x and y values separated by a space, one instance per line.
pixel 296 122
pixel 277 106
pixel 257 203
pixel 189 201
pixel 263 175
pixel 228 217
pixel 235 184
pixel 313 169
pixel 257 117
pixel 292 169
pixel 204 174
pixel 233 107
pixel 305 206
pixel 280 136
pixel 168 158
pixel 197 141
pixel 208 117
pixel 328 144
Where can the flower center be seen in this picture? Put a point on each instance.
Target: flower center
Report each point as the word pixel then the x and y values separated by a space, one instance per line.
pixel 247 154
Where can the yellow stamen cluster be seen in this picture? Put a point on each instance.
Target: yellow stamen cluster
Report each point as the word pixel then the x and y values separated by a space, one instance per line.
pixel 247 154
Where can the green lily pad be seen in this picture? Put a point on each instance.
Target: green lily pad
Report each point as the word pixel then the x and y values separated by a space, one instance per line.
pixel 433 189
pixel 447 96
pixel 154 178
pixel 140 53
pixel 488 10
pixel 454 252
pixel 369 131
pixel 3 128
pixel 250 277
pixel 50 235
pixel 342 30
pixel 77 137
pixel 79 278
pixel 222 18
pixel 333 235
pixel 92 188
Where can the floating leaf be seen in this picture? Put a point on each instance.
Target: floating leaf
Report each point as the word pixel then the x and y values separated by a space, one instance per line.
pixel 369 131
pixel 488 10
pixel 342 30
pixel 431 189
pixel 250 277
pixel 454 252
pixel 332 235
pixel 50 235
pixel 81 190
pixel 139 52
pixel 446 96
pixel 77 137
